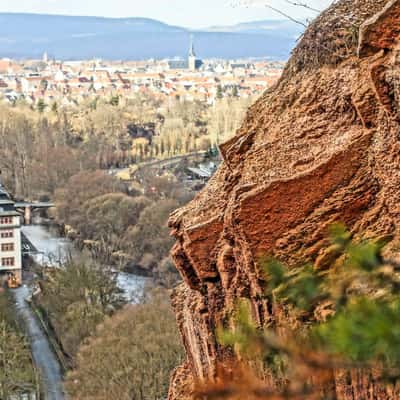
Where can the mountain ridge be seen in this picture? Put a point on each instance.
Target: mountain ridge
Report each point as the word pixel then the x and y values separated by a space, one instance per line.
pixel 26 35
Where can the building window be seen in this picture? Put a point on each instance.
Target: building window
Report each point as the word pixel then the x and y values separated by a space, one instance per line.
pixel 7 247
pixel 7 234
pixel 6 220
pixel 8 262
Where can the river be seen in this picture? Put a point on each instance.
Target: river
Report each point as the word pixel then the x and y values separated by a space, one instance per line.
pixel 53 248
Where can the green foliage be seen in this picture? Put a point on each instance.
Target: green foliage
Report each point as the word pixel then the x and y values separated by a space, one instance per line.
pixel 54 108
pixel 244 335
pixel 220 94
pixel 251 342
pixel 361 326
pixel 366 256
pixel 365 330
pixel 301 287
pixel 276 273
pixel 340 235
pixel 41 106
pixel 115 101
pixel 235 91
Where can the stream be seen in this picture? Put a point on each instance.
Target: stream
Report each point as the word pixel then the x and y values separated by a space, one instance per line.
pixel 51 249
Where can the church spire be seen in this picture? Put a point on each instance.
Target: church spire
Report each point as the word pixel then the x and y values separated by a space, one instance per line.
pixel 191 50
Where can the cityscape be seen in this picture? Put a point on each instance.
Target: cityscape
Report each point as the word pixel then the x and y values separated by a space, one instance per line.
pixel 69 82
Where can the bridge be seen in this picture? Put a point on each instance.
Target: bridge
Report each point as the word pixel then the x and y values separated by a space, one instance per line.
pixel 28 208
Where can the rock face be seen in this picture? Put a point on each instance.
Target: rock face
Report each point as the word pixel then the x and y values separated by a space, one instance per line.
pixel 322 146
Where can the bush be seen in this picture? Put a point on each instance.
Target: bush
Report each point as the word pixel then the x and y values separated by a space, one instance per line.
pixel 76 299
pixel 130 356
pixel 344 317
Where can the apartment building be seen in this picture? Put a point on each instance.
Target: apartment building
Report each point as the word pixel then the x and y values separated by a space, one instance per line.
pixel 10 238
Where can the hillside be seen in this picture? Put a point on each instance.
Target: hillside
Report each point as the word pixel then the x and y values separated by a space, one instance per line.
pixel 70 37
pixel 321 147
pixel 283 27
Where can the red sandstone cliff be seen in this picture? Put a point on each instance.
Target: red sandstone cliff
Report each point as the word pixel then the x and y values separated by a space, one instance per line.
pixel 322 146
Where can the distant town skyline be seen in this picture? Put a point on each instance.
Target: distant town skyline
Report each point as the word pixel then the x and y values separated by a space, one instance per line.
pixel 188 13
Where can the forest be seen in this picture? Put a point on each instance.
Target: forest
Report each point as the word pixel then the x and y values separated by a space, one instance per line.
pixel 40 151
pixel 68 156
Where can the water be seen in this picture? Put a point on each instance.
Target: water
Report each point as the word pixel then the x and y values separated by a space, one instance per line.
pixel 54 250
pixel 133 286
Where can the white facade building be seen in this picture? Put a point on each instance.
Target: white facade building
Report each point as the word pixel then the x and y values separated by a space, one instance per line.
pixel 10 238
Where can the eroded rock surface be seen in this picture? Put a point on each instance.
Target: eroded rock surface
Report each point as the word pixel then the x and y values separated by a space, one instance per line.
pixel 322 146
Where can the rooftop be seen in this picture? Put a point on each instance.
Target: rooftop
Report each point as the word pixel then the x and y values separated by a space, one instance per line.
pixel 5 201
pixel 10 213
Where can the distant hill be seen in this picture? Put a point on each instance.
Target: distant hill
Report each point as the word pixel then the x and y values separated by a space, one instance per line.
pixel 283 27
pixel 69 37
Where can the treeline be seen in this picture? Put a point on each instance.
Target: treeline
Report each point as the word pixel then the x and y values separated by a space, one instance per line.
pixel 121 227
pixel 40 151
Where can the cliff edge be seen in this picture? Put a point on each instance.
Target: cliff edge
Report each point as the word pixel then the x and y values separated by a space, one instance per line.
pixel 322 146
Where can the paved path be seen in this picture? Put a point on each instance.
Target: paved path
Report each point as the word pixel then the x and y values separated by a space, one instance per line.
pixel 43 355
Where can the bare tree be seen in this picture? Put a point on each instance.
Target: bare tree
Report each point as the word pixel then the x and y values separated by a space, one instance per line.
pixel 281 11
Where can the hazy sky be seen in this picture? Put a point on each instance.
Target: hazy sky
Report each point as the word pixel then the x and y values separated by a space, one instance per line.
pixel 189 13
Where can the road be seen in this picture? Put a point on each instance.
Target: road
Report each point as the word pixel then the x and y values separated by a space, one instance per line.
pixel 168 162
pixel 43 355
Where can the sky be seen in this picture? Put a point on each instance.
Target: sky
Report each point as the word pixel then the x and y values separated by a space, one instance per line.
pixel 187 13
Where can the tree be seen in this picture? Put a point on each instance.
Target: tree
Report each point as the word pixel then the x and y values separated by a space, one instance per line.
pixel 115 101
pixel 150 236
pixel 281 8
pixel 235 91
pixel 220 94
pixel 41 106
pixel 44 84
pixel 131 356
pixel 16 373
pixel 76 298
pixel 108 217
pixel 54 108
pixel 79 189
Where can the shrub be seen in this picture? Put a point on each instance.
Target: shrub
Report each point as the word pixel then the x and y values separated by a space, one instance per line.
pixel 130 356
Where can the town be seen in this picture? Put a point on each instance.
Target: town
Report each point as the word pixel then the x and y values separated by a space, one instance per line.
pixel 56 83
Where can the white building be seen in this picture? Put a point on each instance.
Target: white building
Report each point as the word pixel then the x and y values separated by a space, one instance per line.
pixel 194 63
pixel 10 238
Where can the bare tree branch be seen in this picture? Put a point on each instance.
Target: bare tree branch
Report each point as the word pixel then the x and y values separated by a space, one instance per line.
pixel 286 15
pixel 304 5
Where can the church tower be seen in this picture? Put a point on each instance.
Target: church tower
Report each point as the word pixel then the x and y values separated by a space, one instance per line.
pixel 193 62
